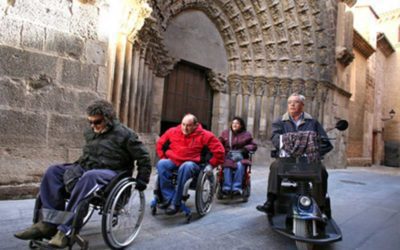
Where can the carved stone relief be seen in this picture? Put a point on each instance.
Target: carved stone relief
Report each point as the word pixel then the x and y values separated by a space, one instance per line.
pixel 242 36
pixel 258 50
pixel 249 14
pixel 309 70
pixel 234 82
pixel 275 14
pixel 237 23
pixel 307 36
pixel 297 53
pixel 255 33
pixel 284 68
pixel 245 53
pixel 231 50
pixel 259 5
pixel 284 87
pixel 280 33
pixel 247 84
pixel 270 52
pixel 259 85
pixel 264 19
pixel 228 34
pixel 272 86
pixel 268 35
pixel 217 81
pixel 287 4
pixel 298 86
pixel 290 16
pixel 310 88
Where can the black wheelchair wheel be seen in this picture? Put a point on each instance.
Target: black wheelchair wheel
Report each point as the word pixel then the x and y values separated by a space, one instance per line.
pixel 204 192
pixel 246 192
pixel 218 187
pixel 123 214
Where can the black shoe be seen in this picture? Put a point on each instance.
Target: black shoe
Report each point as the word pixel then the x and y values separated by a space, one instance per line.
pixel 225 191
pixel 171 210
pixel 164 205
pixel 267 207
pixel 236 193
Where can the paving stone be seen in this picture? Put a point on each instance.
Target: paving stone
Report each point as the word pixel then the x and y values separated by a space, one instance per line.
pixel 367 221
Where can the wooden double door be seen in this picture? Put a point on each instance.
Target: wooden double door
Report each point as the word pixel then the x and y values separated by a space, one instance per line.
pixel 186 90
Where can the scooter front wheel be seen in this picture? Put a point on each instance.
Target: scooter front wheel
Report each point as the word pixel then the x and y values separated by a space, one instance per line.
pixel 303 228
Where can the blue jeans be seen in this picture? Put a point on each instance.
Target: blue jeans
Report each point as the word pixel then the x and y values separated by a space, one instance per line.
pixel 53 194
pixel 165 167
pixel 236 183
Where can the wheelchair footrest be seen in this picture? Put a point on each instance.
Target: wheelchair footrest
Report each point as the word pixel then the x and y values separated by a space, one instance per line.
pixel 185 209
pixel 84 244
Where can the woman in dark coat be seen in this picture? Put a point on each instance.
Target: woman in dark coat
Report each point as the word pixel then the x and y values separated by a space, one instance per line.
pixel 237 142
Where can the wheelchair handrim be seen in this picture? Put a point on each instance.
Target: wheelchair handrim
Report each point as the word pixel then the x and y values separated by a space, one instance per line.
pixel 204 205
pixel 112 235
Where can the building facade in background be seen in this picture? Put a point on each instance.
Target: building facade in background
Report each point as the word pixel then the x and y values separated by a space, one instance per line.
pixel 157 60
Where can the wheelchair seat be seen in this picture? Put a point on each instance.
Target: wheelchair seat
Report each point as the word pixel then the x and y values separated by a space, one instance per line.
pixel 121 207
pixel 202 183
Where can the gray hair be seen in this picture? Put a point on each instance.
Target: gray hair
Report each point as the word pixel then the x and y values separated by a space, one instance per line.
pixel 302 97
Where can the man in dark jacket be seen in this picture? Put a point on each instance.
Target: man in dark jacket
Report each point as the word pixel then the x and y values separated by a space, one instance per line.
pixel 181 148
pixel 295 121
pixel 110 148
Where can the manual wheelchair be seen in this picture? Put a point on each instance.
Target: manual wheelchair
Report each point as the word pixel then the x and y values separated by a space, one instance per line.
pixel 202 183
pixel 121 207
pixel 246 183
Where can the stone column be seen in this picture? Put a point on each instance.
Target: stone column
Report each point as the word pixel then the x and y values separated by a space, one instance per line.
pixel 134 86
pixel 322 94
pixel 310 93
pixel 234 81
pixel 284 92
pixel 272 97
pixel 259 90
pixel 247 89
pixel 218 83
pixel 124 107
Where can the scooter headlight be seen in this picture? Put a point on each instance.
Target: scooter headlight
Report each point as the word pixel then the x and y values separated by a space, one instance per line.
pixel 305 201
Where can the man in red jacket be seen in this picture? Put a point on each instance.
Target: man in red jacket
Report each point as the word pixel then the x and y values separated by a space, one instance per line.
pixel 182 148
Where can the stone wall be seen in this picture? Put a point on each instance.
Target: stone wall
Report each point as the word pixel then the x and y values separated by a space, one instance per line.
pixel 389 24
pixel 52 64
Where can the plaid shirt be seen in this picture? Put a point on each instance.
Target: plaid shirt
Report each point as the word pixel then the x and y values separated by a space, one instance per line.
pixel 303 143
pixel 284 125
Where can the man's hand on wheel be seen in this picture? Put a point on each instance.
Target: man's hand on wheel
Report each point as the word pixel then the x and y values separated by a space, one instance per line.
pixel 140 184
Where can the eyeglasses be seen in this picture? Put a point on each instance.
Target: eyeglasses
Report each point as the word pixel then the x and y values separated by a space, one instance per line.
pixel 95 122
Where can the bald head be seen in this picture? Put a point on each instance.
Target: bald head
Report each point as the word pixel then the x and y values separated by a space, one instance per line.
pixel 189 124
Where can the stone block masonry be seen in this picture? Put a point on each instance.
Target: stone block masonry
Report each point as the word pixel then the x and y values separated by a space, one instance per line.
pixel 52 65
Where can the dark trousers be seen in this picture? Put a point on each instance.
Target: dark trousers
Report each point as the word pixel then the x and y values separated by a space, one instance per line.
pixel 274 182
pixel 53 195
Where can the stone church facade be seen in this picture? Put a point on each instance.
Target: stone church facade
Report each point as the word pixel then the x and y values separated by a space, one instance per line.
pixel 57 56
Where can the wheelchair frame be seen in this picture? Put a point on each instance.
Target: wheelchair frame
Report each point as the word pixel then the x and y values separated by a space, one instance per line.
pixel 204 186
pixel 246 184
pixel 112 201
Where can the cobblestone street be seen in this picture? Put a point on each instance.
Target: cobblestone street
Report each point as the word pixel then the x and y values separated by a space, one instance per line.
pixel 365 203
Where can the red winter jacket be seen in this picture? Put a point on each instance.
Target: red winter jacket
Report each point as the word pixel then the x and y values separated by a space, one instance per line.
pixel 177 147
